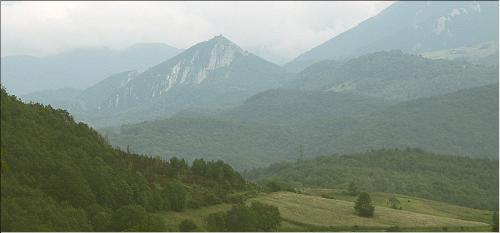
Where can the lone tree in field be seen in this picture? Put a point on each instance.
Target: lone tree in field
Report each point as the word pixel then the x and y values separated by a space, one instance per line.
pixel 363 205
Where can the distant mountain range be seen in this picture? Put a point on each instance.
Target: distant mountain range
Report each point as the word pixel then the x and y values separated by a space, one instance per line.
pixel 213 74
pixel 413 27
pixel 79 68
pixel 394 75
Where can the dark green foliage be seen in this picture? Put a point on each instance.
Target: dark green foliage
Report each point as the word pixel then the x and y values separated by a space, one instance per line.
pixel 394 203
pixel 241 218
pixel 452 179
pixel 64 176
pixel 268 217
pixel 242 145
pixel 176 195
pixel 187 226
pixel 494 225
pixel 283 106
pixel 273 186
pixel 101 221
pixel 135 218
pixel 460 123
pixel 199 167
pixel 216 221
pixel 128 217
pixel 276 186
pixel 363 205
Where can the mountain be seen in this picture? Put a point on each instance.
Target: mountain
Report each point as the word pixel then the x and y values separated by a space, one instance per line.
pixel 482 53
pixel 60 97
pixel 460 123
pixel 78 69
pixel 58 175
pixel 464 122
pixel 394 75
pixel 213 74
pixel 452 179
pixel 241 144
pixel 285 106
pixel 413 27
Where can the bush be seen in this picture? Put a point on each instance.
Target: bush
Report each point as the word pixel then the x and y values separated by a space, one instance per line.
pixel 187 226
pixel 216 222
pixel 363 205
pixel 257 217
pixel 128 217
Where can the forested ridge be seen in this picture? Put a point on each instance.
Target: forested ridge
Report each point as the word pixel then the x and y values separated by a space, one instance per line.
pixel 58 175
pixel 453 179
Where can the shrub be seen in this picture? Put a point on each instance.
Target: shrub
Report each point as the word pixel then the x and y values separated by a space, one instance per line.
pixel 363 205
pixel 187 226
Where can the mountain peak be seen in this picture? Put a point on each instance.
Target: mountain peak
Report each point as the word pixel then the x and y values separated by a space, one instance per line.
pixel 221 42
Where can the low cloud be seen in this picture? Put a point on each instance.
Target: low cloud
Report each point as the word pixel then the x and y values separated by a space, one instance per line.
pixel 277 31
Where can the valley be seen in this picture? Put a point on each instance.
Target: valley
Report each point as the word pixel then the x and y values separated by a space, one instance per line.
pixel 311 212
pixel 390 124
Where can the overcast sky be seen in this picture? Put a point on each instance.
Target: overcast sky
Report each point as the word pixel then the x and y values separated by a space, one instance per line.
pixel 277 31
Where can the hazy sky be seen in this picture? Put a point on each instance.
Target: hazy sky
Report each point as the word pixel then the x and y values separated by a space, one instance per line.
pixel 277 31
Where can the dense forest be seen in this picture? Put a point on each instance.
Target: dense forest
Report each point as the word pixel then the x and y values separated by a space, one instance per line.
pixel 58 175
pixel 453 179
pixel 464 122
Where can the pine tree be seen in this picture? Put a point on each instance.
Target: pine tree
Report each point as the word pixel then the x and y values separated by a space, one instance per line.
pixel 363 205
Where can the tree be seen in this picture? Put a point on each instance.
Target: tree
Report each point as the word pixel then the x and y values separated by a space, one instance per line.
pixel 187 226
pixel 394 203
pixel 101 221
pixel 128 217
pixel 176 195
pixel 495 222
pixel 363 205
pixel 241 218
pixel 199 167
pixel 268 217
pixel 273 186
pixel 352 189
pixel 216 222
pixel 257 217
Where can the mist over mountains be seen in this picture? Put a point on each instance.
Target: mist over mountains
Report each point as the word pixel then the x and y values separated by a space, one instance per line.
pixel 389 126
pixel 79 68
pixel 340 89
pixel 413 27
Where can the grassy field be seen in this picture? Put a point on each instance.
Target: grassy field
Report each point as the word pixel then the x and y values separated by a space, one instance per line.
pixel 337 214
pixel 311 212
pixel 413 204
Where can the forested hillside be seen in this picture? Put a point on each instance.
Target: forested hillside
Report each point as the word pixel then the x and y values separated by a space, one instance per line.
pixel 453 179
pixel 241 144
pixel 394 75
pixel 58 175
pixel 460 123
pixel 283 106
